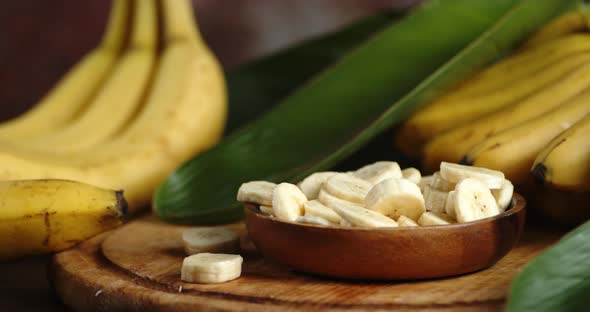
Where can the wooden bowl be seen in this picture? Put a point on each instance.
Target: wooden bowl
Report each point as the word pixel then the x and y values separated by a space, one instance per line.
pixel 387 253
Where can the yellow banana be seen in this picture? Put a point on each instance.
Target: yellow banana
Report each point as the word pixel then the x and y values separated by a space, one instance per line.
pixel 565 162
pixel 120 97
pixel 492 89
pixel 41 216
pixel 71 94
pixel 451 146
pixel 184 114
pixel 513 151
pixel 521 65
pixel 571 22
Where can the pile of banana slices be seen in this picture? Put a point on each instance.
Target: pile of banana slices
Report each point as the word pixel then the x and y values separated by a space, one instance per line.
pixel 383 195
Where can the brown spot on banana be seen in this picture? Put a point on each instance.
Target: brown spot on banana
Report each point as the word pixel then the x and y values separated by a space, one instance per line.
pixel 47 228
pixel 494 146
pixel 122 204
pixel 46 214
pixel 539 173
pixel 108 220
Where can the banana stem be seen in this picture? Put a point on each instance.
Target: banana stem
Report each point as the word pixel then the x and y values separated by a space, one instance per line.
pixel 179 22
pixel 144 31
pixel 117 23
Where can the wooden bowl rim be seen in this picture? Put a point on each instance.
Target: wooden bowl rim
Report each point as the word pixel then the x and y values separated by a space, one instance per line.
pixel 518 204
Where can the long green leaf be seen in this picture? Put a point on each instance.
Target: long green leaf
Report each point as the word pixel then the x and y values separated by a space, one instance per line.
pixel 256 87
pixel 558 280
pixel 341 109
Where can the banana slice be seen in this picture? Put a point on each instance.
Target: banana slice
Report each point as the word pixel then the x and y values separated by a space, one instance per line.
pixel 379 171
pixel 312 185
pixel 266 210
pixel 454 173
pixel 450 204
pixel 211 268
pixel 434 199
pixel 316 208
pixel 424 181
pixel 213 239
pixel 311 219
pixel 330 200
pixel 434 218
pixel 441 184
pixel 474 201
pixel 360 216
pixel 412 174
pixel 258 192
pixel 287 202
pixel 503 196
pixel 405 221
pixel 348 187
pixel 396 197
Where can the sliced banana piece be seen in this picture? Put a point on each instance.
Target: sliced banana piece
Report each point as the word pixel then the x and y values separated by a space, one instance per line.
pixel 379 171
pixel 211 239
pixel 330 200
pixel 503 196
pixel 424 181
pixel 396 197
pixel 474 201
pixel 360 216
pixel 211 268
pixel 405 221
pixel 441 184
pixel 412 174
pixel 266 210
pixel 455 173
pixel 316 208
pixel 258 192
pixel 434 218
pixel 315 220
pixel 348 187
pixel 450 204
pixel 287 202
pixel 312 185
pixel 434 199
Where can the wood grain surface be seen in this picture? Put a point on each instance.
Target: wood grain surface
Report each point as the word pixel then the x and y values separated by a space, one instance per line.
pixel 137 267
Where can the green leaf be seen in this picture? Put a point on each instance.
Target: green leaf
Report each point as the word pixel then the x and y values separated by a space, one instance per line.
pixel 341 109
pixel 557 280
pixel 256 87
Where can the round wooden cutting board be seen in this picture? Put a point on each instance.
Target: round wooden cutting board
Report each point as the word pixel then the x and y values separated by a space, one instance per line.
pixel 137 268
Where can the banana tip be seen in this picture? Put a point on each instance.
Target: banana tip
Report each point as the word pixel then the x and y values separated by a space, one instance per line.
pixel 122 204
pixel 539 172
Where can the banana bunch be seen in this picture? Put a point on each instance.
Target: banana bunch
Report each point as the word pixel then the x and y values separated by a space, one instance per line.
pixel 130 112
pixel 528 116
